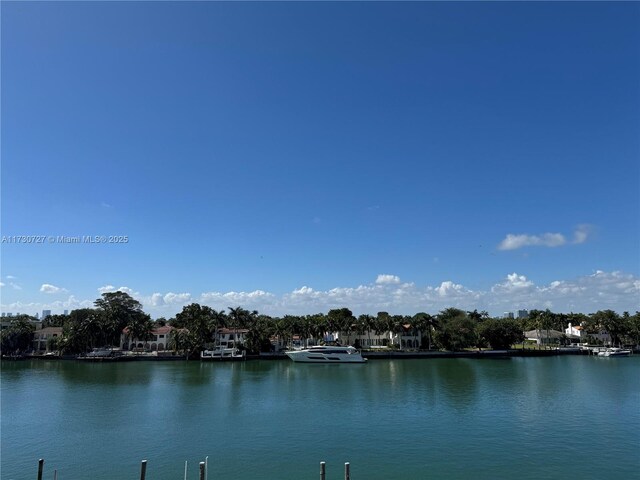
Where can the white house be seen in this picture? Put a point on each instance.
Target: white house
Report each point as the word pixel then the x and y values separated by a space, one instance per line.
pixel 409 338
pixel 230 337
pixel 158 341
pixel 580 332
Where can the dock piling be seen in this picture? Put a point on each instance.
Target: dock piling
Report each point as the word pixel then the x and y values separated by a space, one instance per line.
pixel 143 469
pixel 347 471
pixel 322 470
pixel 201 470
pixel 40 468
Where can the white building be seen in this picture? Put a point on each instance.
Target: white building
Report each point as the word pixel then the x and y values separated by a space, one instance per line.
pixel 601 337
pixel 158 340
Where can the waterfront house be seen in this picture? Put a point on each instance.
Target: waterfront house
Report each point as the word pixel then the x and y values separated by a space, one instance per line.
pixel 408 339
pixel 41 336
pixel 544 337
pixel 581 334
pixel 230 337
pixel 157 341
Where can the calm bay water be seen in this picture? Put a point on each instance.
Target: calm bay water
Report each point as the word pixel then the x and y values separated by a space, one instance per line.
pixel 560 417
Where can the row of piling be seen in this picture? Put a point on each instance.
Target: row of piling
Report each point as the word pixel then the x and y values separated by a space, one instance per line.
pixel 203 470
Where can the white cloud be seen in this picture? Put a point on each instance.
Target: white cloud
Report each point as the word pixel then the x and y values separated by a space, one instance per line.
pixel 156 299
pixel 514 242
pixel 1 284
pixel 177 298
pixel 48 288
pixel 111 288
pixel 11 277
pixel 513 283
pixel 384 279
pixel 581 233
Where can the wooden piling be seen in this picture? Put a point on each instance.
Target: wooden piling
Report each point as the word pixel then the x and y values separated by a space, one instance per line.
pixel 143 469
pixel 201 470
pixel 40 468
pixel 55 475
pixel 322 470
pixel 347 471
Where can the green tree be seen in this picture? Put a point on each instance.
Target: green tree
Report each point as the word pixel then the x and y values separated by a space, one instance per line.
pixel 457 331
pixel 633 328
pixel 612 323
pixel 340 320
pixel 200 324
pixel 426 324
pixel 501 334
pixel 139 327
pixel 181 341
pixel 18 338
pixel 79 331
pixel 55 321
pixel 117 310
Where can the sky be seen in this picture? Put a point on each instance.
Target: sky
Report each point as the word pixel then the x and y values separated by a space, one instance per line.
pixel 293 157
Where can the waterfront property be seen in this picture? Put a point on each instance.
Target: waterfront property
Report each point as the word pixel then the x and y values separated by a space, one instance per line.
pixel 42 336
pixel 547 337
pixel 409 338
pixel 157 341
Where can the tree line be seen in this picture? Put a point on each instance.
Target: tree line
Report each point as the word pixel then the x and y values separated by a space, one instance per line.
pixel 195 327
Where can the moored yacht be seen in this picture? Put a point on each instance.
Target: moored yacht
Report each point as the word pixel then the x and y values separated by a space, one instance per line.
pixel 614 352
pixel 220 352
pixel 326 354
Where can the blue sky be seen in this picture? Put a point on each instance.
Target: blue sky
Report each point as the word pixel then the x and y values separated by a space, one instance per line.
pixel 295 157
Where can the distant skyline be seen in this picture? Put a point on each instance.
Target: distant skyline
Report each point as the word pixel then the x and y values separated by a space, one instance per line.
pixel 296 157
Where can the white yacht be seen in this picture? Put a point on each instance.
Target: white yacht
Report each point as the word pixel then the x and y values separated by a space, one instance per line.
pixel 326 354
pixel 614 352
pixel 222 353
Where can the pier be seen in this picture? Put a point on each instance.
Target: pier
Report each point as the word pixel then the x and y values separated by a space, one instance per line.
pixel 202 470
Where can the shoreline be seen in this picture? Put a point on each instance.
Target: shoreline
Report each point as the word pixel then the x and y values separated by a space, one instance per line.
pixel 370 355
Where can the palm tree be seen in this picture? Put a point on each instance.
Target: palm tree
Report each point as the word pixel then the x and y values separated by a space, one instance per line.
pixel 365 323
pixel 139 326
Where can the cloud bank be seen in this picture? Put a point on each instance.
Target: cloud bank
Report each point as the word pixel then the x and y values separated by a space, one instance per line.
pixel 597 291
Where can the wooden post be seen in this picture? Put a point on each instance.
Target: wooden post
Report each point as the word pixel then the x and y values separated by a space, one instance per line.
pixel 143 470
pixel 347 471
pixel 40 468
pixel 201 470
pixel 55 475
pixel 322 470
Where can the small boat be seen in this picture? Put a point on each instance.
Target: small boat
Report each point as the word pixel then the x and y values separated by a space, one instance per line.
pixel 326 354
pixel 614 352
pixel 221 353
pixel 105 354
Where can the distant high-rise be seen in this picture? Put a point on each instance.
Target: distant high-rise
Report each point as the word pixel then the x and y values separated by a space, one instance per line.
pixel 37 315
pixel 45 314
pixel 4 314
pixel 508 315
pixel 523 313
pixel 66 312
pixel 9 314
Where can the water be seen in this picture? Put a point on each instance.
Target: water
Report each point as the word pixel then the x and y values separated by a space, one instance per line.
pixel 530 418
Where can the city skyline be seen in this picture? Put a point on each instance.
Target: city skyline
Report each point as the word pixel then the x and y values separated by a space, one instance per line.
pixel 297 157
